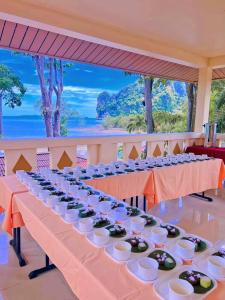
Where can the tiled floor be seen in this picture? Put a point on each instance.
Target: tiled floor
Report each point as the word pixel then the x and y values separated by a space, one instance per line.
pixel 195 216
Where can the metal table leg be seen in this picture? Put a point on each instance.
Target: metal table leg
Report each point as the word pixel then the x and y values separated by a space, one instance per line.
pixel 16 244
pixel 136 201
pixel 144 203
pixel 202 196
pixel 46 268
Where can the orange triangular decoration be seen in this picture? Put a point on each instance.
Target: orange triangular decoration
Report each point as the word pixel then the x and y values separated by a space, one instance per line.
pixel 176 149
pixel 133 153
pixel 64 161
pixel 157 151
pixel 22 164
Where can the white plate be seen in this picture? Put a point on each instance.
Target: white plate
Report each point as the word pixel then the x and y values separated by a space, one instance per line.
pixel 109 252
pixel 89 237
pixel 197 255
pixel 132 268
pixel 161 285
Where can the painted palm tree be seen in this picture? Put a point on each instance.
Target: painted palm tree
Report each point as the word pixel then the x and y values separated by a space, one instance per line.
pixel 136 124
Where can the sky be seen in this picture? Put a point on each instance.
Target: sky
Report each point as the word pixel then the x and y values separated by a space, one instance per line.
pixel 82 84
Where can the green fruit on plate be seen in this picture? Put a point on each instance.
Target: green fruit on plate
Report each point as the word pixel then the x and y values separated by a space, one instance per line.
pixel 169 263
pixel 205 282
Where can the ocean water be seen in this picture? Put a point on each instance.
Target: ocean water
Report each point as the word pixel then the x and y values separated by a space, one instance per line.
pixel 33 126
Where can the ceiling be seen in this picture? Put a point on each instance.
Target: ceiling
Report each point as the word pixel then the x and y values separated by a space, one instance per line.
pixel 37 41
pixel 163 38
pixel 197 26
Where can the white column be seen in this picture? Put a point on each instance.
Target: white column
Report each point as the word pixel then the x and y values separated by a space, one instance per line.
pixel 203 98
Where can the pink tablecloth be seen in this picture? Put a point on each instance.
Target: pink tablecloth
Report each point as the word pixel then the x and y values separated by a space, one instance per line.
pixel 158 184
pixel 90 273
pixel 126 185
pixel 9 187
pixel 185 179
pixel 164 183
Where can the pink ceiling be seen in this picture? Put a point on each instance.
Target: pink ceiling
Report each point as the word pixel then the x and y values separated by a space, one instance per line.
pixel 37 41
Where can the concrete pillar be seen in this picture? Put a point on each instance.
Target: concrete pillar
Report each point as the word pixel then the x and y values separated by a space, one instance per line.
pixel 203 98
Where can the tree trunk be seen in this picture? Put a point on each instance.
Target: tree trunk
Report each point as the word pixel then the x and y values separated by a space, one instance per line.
pixel 45 92
pixel 57 116
pixel 191 95
pixel 58 89
pixel 148 104
pixel 1 126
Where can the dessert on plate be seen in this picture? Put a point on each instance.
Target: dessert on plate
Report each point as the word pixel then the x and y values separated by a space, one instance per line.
pixel 116 231
pixel 165 260
pixel 86 213
pixel 132 211
pixel 173 231
pixel 101 222
pixel 138 244
pixel 200 282
pixel 150 220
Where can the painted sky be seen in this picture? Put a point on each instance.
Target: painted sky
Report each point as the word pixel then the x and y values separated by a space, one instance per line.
pixel 83 83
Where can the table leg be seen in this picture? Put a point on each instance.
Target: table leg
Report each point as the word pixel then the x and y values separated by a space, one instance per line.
pixel 202 196
pixel 46 268
pixel 136 201
pixel 131 201
pixel 16 244
pixel 144 203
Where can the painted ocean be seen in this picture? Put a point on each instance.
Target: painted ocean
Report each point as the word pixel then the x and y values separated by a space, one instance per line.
pixel 33 126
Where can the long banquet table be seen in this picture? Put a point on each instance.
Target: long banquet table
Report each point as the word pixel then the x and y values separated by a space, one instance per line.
pixel 157 184
pixel 90 273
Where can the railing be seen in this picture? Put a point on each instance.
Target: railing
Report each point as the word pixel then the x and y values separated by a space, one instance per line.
pixel 22 154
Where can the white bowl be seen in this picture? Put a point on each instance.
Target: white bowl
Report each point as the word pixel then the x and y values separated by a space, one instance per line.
pixel 93 200
pixel 43 195
pixel 216 266
pixel 104 206
pixel 71 215
pixel 185 249
pixel 82 194
pixel 73 189
pixel 122 250
pixel 180 289
pixel 148 268
pixel 86 224
pixel 101 236
pixel 60 207
pixel 119 214
pixel 137 224
pixel 35 190
pixel 52 200
pixel 159 235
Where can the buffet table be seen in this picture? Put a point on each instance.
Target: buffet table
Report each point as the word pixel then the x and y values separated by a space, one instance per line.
pixel 74 255
pixel 217 152
pixel 157 184
pixel 90 273
pixel 165 183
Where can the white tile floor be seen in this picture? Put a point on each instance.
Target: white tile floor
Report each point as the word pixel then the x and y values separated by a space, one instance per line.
pixel 195 216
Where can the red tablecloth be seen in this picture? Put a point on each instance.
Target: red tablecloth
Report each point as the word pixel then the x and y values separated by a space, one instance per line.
pixel 217 152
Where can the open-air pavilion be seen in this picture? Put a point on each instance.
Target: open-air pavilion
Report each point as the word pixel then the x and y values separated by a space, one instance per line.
pixel 177 40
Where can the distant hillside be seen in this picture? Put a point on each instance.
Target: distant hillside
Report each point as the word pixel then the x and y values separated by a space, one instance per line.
pixel 130 99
